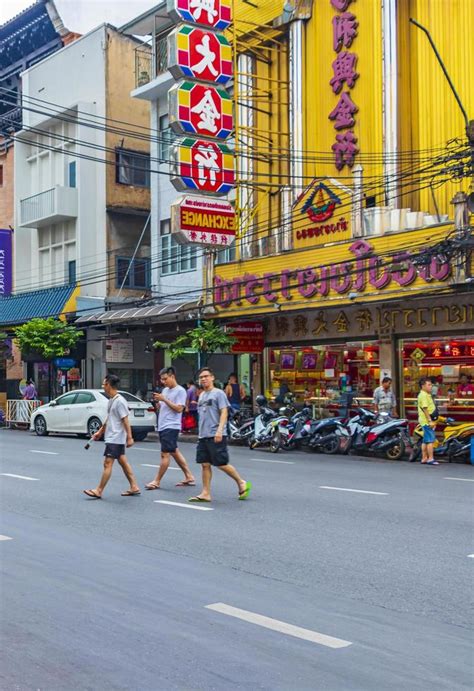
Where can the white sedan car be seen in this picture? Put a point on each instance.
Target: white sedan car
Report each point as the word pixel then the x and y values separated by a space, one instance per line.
pixel 83 411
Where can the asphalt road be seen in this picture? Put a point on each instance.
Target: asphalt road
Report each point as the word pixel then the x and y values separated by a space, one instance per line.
pixel 312 586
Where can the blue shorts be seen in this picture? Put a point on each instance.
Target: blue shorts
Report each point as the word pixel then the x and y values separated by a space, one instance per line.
pixel 429 435
pixel 169 440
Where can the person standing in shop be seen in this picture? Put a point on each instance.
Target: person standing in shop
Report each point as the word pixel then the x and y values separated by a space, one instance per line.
pixel 212 445
pixel 427 409
pixel 171 402
pixel 384 398
pixel 235 392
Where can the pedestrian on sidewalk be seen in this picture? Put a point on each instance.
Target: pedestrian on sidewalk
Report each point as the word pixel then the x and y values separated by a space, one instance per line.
pixel 426 418
pixel 384 398
pixel 235 392
pixel 171 402
pixel 212 444
pixel 117 435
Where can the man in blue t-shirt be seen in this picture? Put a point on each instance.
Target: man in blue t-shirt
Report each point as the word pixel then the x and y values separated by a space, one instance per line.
pixel 212 445
pixel 171 402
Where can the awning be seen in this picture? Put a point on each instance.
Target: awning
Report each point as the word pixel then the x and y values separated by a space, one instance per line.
pixel 164 312
pixel 51 302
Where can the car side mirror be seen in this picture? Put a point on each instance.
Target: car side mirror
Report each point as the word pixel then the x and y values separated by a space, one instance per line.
pixel 52 404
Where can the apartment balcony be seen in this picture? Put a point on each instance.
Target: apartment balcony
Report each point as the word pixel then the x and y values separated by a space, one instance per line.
pixel 152 77
pixel 49 207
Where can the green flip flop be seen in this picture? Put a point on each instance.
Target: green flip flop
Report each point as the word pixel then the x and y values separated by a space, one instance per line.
pixel 246 492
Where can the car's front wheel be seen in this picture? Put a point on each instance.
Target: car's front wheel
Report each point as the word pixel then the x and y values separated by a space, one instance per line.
pixel 139 436
pixel 93 426
pixel 40 426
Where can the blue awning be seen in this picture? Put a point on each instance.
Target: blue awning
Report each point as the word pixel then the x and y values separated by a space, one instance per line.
pixel 20 308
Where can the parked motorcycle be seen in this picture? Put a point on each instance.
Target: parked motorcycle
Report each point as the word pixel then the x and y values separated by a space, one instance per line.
pixel 296 432
pixel 374 434
pixel 266 425
pixel 240 426
pixel 455 445
pixel 328 435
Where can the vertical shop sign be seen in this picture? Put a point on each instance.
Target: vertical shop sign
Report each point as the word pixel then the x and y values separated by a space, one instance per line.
pixel 6 274
pixel 200 106
pixel 344 31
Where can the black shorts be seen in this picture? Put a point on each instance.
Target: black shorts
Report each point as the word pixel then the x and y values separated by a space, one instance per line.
pixel 209 451
pixel 114 450
pixel 169 440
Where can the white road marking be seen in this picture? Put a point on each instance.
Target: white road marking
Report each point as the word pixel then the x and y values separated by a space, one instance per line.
pixel 359 491
pixel 5 537
pixel 140 448
pixel 20 477
pixel 184 506
pixel 280 626
pixel 267 460
pixel 49 453
pixel 459 479
pixel 471 556
pixel 150 465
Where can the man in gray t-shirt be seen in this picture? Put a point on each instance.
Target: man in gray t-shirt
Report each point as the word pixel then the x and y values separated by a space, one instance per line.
pixel 212 445
pixel 117 434
pixel 171 402
pixel 384 398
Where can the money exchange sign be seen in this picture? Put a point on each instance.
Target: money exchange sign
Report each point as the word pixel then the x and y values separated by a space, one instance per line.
pixel 203 221
pixel 199 54
pixel 200 109
pixel 203 166
pixel 214 13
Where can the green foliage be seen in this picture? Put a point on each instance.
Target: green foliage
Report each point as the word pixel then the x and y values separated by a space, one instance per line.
pixel 48 337
pixel 208 337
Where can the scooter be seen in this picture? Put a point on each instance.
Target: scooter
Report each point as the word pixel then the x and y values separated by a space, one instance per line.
pixel 370 433
pixel 455 445
pixel 239 426
pixel 328 435
pixel 296 432
pixel 266 426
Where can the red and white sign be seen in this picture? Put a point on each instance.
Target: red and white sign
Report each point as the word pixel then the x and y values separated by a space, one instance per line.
pixel 203 166
pixel 214 13
pixel 203 221
pixel 199 54
pixel 200 109
pixel 250 337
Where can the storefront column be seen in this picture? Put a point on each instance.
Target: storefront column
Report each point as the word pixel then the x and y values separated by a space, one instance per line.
pixel 388 362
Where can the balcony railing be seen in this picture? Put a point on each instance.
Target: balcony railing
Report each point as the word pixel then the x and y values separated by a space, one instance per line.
pixel 147 66
pixel 48 207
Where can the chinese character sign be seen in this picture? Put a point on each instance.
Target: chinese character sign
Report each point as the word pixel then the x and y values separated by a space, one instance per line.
pixel 216 14
pixel 344 32
pixel 199 54
pixel 200 109
pixel 203 166
pixel 203 221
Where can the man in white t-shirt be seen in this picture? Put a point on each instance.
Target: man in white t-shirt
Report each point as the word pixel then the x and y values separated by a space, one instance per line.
pixel 172 402
pixel 117 435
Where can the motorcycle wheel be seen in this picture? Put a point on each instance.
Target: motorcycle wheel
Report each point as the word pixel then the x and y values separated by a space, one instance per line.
pixel 275 442
pixel 252 444
pixel 331 446
pixel 396 452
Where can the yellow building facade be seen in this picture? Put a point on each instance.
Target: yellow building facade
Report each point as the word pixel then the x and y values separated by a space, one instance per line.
pixel 350 148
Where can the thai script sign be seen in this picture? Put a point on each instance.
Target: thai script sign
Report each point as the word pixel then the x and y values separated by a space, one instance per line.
pixel 203 166
pixel 199 54
pixel 322 213
pixel 200 109
pixel 6 274
pixel 250 336
pixel 203 221
pixel 367 271
pixel 344 30
pixel 214 13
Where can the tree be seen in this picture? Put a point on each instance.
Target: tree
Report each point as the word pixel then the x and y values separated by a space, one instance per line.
pixel 206 338
pixel 48 337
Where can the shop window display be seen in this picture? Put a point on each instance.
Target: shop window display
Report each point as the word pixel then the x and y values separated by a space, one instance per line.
pixel 450 365
pixel 321 374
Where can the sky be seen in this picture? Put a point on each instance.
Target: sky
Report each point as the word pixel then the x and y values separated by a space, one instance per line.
pixel 83 15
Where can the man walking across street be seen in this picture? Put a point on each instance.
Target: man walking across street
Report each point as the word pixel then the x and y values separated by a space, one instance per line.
pixel 172 402
pixel 427 408
pixel 117 434
pixel 212 444
pixel 384 398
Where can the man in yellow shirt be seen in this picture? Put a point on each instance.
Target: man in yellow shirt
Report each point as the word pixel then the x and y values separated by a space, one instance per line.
pixel 426 407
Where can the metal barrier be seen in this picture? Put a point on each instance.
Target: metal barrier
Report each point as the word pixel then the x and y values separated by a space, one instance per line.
pixel 19 412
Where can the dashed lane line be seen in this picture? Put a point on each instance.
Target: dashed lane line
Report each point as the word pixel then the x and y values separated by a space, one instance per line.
pixel 48 453
pixel 183 506
pixel 471 556
pixel 151 465
pixel 268 460
pixel 20 477
pixel 5 537
pixel 280 626
pixel 359 491
pixel 459 479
